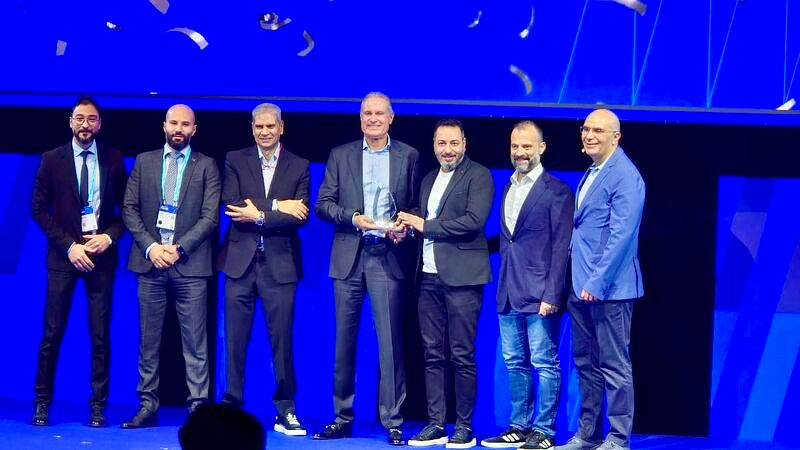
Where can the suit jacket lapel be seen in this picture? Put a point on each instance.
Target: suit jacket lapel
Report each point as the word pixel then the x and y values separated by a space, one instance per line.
pixel 460 171
pixel 537 191
pixel 395 166
pixel 280 171
pixel 187 175
pixel 254 165
pixel 356 168
pixel 103 170
pixel 598 181
pixel 503 226
pixel 69 166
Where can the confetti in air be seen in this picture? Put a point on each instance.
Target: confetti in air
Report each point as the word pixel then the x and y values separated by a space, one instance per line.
pixel 523 77
pixel 309 46
pixel 193 35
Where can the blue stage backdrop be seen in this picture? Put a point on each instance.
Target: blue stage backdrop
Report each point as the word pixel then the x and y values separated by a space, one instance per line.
pixel 678 53
pixel 755 388
pixel 23 280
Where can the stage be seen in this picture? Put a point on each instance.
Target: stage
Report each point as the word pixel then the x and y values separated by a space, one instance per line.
pixel 68 431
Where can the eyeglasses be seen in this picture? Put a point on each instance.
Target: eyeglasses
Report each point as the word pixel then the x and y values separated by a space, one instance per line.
pixel 92 120
pixel 587 130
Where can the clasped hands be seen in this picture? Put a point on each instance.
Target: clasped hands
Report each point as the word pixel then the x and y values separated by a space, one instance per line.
pixel 80 254
pixel 396 234
pixel 164 256
pixel 250 213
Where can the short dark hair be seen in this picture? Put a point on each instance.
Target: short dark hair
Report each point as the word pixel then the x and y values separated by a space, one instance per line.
pixel 449 123
pixel 530 124
pixel 86 101
pixel 219 426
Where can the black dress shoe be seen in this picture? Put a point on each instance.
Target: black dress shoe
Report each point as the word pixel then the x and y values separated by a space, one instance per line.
pixel 143 419
pixel 335 430
pixel 395 437
pixel 41 417
pixel 97 419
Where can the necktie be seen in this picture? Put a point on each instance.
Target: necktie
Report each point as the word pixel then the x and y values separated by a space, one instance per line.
pixel 84 185
pixel 172 177
pixel 170 180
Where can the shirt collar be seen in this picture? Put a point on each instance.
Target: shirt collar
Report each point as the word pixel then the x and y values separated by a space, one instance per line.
pixel 168 149
pixel 388 147
pixel 529 177
pixel 274 159
pixel 77 149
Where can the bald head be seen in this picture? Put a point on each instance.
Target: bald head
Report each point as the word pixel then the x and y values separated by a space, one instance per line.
pixel 605 116
pixel 600 135
pixel 181 110
pixel 179 126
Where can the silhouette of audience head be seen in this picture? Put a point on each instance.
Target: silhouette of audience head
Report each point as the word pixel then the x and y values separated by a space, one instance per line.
pixel 220 426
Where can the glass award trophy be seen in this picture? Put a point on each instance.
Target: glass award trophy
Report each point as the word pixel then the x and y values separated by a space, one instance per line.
pixel 384 209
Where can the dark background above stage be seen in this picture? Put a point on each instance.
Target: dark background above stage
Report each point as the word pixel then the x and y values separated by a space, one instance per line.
pixel 673 326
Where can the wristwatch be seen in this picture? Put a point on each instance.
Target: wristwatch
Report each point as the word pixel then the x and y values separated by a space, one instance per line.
pixel 261 218
pixel 181 252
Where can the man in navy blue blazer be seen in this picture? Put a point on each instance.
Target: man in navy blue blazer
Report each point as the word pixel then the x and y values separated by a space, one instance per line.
pixel 535 229
pixel 606 279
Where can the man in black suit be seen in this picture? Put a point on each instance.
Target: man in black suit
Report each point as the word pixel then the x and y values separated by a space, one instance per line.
pixel 364 182
pixel 455 201
pixel 535 229
pixel 77 196
pixel 172 208
pixel 261 256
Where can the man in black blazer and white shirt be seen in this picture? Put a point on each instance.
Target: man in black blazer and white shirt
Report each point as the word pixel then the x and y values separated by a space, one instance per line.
pixel 266 193
pixel 77 197
pixel 455 201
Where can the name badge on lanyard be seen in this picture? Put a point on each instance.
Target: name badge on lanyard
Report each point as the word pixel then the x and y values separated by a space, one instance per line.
pixel 166 217
pixel 88 220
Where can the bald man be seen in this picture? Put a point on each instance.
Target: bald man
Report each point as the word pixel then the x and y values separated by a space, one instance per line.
pixel 606 279
pixel 171 207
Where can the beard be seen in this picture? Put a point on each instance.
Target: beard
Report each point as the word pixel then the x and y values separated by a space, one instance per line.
pixel 84 141
pixel 446 166
pixel 178 145
pixel 524 166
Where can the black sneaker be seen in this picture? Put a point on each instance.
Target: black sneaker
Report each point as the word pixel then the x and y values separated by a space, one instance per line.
pixel 432 434
pixel 289 425
pixel 462 438
pixel 537 439
pixel 511 438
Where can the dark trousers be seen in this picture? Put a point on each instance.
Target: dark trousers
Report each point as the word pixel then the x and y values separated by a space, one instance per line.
pixel 190 304
pixel 449 316
pixel 372 275
pixel 99 285
pixel 601 334
pixel 277 301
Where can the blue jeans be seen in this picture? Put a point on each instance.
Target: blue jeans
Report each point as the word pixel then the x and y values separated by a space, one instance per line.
pixel 531 337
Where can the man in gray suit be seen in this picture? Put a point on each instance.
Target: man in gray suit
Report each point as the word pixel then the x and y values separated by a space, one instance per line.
pixel 171 207
pixel 367 258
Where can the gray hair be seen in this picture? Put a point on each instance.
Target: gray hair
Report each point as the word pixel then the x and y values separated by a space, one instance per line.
pixel 267 108
pixel 378 95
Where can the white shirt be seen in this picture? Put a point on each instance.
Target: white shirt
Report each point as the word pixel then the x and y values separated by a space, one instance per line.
pixel 517 193
pixel 439 185
pixel 268 167
pixel 594 170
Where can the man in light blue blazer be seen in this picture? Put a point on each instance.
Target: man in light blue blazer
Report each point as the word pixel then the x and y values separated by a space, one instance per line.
pixel 606 279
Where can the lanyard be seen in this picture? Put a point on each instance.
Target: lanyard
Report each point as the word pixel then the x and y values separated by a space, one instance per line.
pixel 181 167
